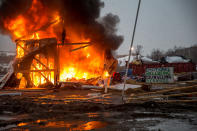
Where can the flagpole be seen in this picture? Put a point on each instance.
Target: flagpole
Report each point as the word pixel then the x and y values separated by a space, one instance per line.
pixel 130 49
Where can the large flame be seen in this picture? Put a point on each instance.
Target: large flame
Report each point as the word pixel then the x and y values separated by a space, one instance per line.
pixel 83 64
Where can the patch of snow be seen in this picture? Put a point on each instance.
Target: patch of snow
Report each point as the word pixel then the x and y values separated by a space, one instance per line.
pixel 146 59
pixel 117 86
pixel 176 59
pixel 127 86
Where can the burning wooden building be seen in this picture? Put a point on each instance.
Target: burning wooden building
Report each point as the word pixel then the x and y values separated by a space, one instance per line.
pixel 38 61
pixel 61 44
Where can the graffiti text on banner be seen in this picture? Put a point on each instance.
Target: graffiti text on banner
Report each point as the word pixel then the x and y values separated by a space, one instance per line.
pixel 159 75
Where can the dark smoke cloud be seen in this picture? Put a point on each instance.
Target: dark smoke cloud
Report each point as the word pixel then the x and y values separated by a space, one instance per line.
pixel 81 15
pixel 81 11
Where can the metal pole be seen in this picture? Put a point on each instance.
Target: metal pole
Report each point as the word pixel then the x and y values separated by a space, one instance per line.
pixel 130 49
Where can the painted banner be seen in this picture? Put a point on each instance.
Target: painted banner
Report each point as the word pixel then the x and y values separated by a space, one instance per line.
pixel 159 75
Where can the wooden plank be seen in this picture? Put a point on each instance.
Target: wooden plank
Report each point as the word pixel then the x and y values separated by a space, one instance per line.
pixel 167 90
pixel 45 42
pixel 34 57
pixel 56 66
pixel 41 63
pixel 177 101
pixel 163 96
pixel 81 43
pixel 32 53
pixel 21 47
pixel 79 48
pixel 41 74
pixel 26 71
pixel 41 41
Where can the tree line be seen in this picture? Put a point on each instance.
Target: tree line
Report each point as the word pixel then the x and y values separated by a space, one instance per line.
pixel 186 52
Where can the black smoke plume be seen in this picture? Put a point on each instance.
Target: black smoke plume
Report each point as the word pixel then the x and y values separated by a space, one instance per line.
pixel 81 15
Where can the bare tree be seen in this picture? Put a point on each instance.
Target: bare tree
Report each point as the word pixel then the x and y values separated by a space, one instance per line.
pixel 186 52
pixel 138 51
pixel 170 52
pixel 156 54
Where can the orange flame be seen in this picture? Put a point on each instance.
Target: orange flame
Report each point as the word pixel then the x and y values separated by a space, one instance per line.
pixel 82 64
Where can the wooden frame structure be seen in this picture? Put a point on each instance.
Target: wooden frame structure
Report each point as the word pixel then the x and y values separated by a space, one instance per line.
pixel 31 48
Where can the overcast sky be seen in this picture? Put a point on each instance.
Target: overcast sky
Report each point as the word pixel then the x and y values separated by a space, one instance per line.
pixel 162 23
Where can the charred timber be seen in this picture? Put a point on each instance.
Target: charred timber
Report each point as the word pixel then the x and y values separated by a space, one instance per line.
pixel 31 48
pixel 81 43
pixel 27 71
pixel 79 48
pixel 40 41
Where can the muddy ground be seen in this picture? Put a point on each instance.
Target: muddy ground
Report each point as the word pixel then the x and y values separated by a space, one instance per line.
pixel 85 110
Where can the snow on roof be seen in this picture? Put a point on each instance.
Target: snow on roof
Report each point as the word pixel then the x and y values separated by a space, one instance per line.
pixel 122 60
pixel 146 59
pixel 176 59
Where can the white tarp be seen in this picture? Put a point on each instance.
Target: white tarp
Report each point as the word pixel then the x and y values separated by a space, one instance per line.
pixel 122 60
pixel 127 86
pixel 176 59
pixel 148 60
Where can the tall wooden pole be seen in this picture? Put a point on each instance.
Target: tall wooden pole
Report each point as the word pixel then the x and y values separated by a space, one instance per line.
pixel 56 65
pixel 130 49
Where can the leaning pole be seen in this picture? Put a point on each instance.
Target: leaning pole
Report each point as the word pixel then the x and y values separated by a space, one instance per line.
pixel 130 49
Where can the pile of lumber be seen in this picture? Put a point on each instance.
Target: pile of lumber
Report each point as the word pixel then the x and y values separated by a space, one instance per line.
pixel 173 94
